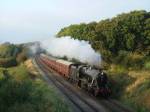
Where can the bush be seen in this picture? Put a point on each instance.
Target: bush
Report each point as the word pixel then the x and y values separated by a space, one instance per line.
pixel 21 57
pixel 139 97
pixel 147 65
pixel 130 60
pixel 8 50
pixel 11 55
pixel 8 62
pixel 19 93
pixel 118 82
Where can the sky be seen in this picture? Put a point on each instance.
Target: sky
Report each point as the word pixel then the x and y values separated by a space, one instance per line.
pixel 36 20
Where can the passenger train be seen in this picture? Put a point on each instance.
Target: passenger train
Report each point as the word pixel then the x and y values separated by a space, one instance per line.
pixel 89 78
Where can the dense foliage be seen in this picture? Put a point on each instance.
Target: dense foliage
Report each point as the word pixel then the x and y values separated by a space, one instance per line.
pixel 117 37
pixel 7 62
pixel 11 55
pixel 131 87
pixel 19 90
pixel 18 93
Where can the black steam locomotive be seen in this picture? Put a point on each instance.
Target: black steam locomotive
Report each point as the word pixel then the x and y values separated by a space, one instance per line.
pixel 89 78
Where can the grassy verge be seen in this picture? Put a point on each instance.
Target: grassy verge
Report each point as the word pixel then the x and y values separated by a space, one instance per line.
pixel 19 92
pixel 132 87
pixel 58 104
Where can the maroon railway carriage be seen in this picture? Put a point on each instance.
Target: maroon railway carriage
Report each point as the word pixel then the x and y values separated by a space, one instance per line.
pixel 51 62
pixel 60 66
pixel 63 67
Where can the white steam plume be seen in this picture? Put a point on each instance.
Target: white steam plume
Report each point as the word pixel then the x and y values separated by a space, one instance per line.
pixel 34 48
pixel 72 48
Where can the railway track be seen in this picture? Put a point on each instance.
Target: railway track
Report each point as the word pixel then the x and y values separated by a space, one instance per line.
pixel 81 101
pixel 77 100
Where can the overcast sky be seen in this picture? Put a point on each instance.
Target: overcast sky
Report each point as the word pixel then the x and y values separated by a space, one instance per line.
pixel 31 20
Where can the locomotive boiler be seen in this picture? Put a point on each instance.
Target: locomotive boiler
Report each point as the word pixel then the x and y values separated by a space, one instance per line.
pixel 91 79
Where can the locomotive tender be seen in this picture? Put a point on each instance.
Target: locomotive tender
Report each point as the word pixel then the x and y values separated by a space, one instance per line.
pixel 84 76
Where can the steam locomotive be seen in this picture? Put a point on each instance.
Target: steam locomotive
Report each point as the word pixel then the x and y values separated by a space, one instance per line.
pixel 89 78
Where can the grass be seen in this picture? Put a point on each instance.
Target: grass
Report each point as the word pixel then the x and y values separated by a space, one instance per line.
pixel 132 87
pixel 58 104
pixel 33 71
pixel 147 65
pixel 20 93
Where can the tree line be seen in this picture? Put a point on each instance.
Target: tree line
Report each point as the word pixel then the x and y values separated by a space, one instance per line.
pixel 11 55
pixel 120 36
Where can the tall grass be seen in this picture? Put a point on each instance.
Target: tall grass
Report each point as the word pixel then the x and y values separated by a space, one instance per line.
pixel 18 92
pixel 147 65
pixel 130 87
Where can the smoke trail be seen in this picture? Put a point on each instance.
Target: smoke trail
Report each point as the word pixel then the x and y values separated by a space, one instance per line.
pixel 34 48
pixel 72 48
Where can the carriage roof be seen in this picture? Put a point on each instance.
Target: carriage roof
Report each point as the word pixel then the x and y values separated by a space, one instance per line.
pixel 64 62
pixel 49 57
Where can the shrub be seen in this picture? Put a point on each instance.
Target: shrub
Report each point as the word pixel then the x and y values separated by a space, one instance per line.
pixel 8 50
pixel 130 60
pixel 8 62
pixel 118 83
pixel 27 95
pixel 147 65
pixel 21 57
